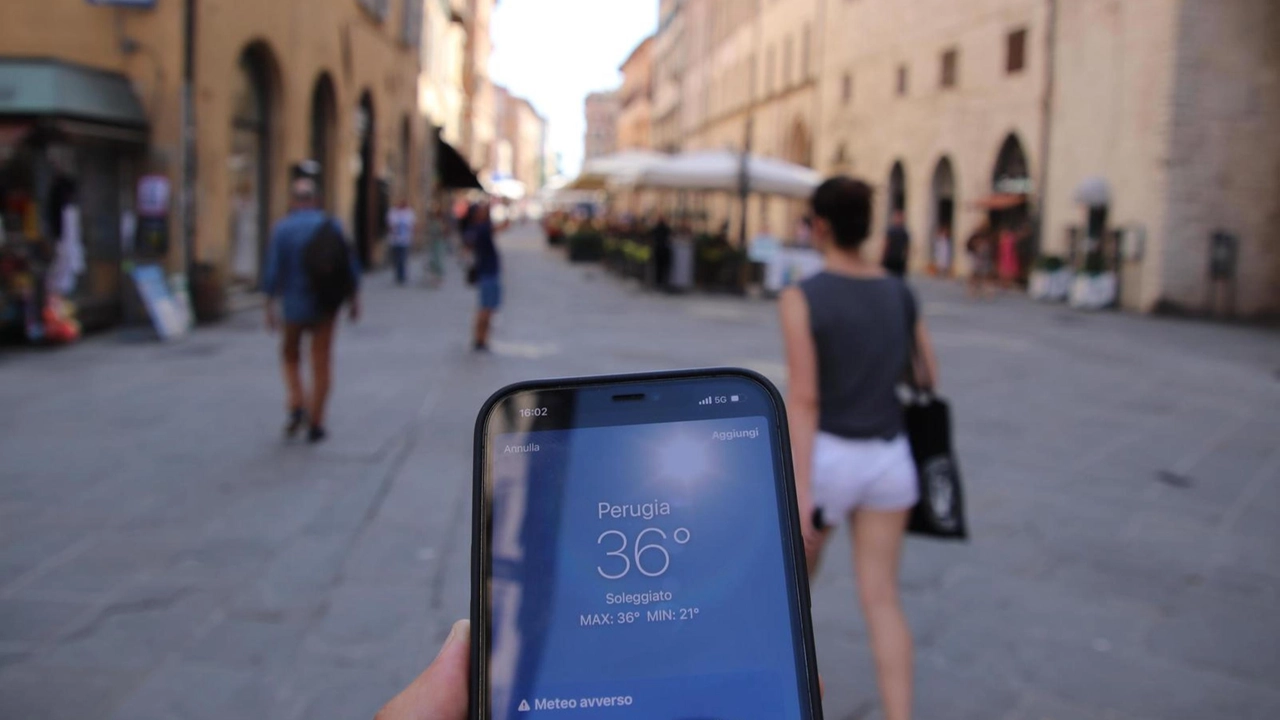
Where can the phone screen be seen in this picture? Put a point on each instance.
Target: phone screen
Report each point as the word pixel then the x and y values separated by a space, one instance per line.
pixel 638 562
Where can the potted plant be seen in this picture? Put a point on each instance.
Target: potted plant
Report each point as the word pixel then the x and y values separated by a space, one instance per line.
pixel 1050 279
pixel 586 245
pixel 1094 286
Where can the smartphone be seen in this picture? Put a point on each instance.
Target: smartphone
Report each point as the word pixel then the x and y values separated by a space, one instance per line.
pixel 636 553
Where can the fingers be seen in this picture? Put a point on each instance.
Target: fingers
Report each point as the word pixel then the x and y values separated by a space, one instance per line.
pixel 440 692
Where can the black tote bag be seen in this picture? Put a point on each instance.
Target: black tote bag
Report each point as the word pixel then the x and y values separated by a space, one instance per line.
pixel 939 513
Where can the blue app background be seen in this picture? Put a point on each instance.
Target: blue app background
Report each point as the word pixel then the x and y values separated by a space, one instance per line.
pixel 705 493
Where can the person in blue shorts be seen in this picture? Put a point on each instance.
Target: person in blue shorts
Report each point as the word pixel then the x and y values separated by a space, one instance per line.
pixel 487 270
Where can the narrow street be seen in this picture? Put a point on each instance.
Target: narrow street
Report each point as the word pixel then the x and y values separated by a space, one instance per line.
pixel 164 555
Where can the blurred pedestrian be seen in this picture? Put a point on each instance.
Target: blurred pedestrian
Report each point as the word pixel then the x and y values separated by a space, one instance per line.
pixel 897 245
pixel 942 251
pixel 981 249
pixel 486 269
pixel 661 253
pixel 311 271
pixel 437 243
pixel 401 223
pixel 1008 265
pixel 849 333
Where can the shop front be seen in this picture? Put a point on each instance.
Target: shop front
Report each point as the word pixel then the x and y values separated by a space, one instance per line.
pixel 73 143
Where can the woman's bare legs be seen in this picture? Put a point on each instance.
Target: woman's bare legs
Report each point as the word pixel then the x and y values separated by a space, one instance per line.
pixel 877 556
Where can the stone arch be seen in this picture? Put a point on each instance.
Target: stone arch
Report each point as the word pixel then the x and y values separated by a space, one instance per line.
pixel 323 143
pixel 897 195
pixel 365 220
pixel 1011 172
pixel 254 135
pixel 942 238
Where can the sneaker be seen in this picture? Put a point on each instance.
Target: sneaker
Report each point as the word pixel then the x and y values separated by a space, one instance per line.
pixel 480 348
pixel 316 434
pixel 297 418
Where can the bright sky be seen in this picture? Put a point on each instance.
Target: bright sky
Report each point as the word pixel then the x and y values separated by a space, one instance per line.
pixel 554 52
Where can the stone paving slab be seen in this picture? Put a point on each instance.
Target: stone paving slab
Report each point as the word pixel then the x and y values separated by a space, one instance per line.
pixel 164 555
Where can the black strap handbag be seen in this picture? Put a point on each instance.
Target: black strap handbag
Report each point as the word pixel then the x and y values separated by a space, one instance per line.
pixel 939 513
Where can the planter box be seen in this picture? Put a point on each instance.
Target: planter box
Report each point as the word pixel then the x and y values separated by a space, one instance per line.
pixel 1093 292
pixel 586 247
pixel 1050 286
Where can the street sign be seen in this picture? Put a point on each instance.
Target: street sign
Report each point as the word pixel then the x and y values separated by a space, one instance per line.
pixel 144 4
pixel 165 312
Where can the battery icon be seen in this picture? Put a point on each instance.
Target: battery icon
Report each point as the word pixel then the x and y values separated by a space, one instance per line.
pixel 733 398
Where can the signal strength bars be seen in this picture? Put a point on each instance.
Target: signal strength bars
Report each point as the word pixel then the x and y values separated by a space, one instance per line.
pixel 705 401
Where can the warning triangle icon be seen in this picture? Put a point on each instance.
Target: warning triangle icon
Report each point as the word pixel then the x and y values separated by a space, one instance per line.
pixel 524 706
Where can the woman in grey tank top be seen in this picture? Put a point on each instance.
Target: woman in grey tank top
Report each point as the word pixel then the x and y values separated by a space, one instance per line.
pixel 849 334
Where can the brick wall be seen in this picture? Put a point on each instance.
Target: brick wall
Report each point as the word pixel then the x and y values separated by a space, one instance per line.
pixel 1224 155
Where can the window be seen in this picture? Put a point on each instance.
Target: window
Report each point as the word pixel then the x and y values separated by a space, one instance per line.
pixel 377 8
pixel 902 80
pixel 787 52
pixel 846 88
pixel 1016 51
pixel 950 68
pixel 411 26
pixel 770 60
pixel 805 39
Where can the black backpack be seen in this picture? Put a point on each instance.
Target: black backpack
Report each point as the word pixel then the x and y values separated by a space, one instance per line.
pixel 327 262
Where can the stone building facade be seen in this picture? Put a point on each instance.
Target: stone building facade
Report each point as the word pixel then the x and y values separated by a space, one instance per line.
pixel 480 134
pixel 740 74
pixel 1166 107
pixel 937 104
pixel 520 141
pixel 635 113
pixel 274 83
pixel 1162 106
pixel 1176 106
pixel 601 110
pixel 670 58
pixel 442 83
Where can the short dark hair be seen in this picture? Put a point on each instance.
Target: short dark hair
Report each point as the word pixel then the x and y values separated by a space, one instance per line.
pixel 845 203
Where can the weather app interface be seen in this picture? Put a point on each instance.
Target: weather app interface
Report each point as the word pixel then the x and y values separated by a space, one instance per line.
pixel 638 572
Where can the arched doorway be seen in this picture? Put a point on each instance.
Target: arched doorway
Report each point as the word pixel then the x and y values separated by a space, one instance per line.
pixel 249 162
pixel 324 134
pixel 1011 174
pixel 897 188
pixel 365 220
pixel 944 210
pixel 1011 218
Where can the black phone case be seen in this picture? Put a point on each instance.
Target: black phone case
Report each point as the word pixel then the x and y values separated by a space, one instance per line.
pixel 480 519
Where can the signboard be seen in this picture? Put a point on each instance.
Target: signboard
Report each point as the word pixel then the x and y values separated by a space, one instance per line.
pixel 163 309
pixel 153 196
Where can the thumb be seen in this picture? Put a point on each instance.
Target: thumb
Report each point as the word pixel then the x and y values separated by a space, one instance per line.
pixel 441 691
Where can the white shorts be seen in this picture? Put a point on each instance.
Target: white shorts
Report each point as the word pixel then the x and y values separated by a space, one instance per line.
pixel 874 474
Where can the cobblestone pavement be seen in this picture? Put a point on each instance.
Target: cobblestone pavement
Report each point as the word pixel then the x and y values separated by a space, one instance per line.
pixel 163 554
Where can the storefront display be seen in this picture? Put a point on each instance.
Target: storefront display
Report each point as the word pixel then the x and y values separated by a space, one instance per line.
pixel 68 168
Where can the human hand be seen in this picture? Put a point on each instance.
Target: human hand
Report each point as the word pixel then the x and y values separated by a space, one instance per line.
pixel 440 692
pixel 811 535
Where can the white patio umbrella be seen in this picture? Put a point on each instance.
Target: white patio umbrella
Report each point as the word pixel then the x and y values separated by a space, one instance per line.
pixel 597 173
pixel 722 170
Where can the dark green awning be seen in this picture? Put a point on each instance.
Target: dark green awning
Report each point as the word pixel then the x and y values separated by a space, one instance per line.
pixel 46 88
